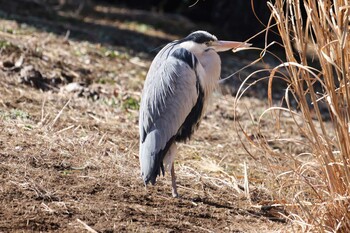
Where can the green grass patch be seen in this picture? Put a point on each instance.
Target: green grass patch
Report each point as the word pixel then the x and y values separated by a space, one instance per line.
pixel 14 114
pixel 111 53
pixel 131 103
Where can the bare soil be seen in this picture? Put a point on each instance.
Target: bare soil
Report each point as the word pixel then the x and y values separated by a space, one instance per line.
pixel 69 92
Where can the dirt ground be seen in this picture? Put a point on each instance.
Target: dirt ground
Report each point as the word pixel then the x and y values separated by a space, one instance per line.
pixel 69 92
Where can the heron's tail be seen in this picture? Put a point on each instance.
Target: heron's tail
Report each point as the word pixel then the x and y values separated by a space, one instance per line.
pixel 151 156
pixel 150 160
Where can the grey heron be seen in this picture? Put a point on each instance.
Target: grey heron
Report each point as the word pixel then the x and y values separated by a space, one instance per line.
pixel 179 82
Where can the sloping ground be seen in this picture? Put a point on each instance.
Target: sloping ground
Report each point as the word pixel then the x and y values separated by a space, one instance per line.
pixel 69 141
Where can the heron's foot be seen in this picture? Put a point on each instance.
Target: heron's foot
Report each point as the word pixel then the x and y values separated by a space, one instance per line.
pixel 174 192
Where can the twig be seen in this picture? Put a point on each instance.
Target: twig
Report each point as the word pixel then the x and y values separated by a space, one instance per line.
pixel 87 227
pixel 65 129
pixel 60 113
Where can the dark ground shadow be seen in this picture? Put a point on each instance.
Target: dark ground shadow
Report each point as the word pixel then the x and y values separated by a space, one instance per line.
pixel 99 25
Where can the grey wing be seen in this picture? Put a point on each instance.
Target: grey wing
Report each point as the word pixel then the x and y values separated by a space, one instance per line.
pixel 169 95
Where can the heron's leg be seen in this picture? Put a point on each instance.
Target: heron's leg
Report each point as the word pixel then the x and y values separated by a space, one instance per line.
pixel 173 182
pixel 169 164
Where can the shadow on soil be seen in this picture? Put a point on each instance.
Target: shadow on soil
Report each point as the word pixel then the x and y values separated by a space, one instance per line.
pixel 99 26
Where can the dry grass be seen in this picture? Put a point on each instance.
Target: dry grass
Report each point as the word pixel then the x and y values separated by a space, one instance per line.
pixel 312 178
pixel 69 161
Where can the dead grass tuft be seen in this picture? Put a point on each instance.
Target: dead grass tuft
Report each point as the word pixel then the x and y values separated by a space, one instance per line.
pixel 311 177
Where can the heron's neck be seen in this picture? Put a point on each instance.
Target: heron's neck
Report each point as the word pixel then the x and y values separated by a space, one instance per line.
pixel 211 68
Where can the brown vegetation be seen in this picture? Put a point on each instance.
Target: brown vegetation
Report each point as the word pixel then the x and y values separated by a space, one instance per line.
pixel 313 183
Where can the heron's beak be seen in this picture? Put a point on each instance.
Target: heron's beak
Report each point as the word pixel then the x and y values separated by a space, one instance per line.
pixel 222 45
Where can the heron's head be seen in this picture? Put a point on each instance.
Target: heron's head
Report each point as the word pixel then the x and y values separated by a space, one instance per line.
pixel 202 41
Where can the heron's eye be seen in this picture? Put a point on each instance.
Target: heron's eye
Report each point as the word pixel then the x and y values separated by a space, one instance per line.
pixel 208 43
